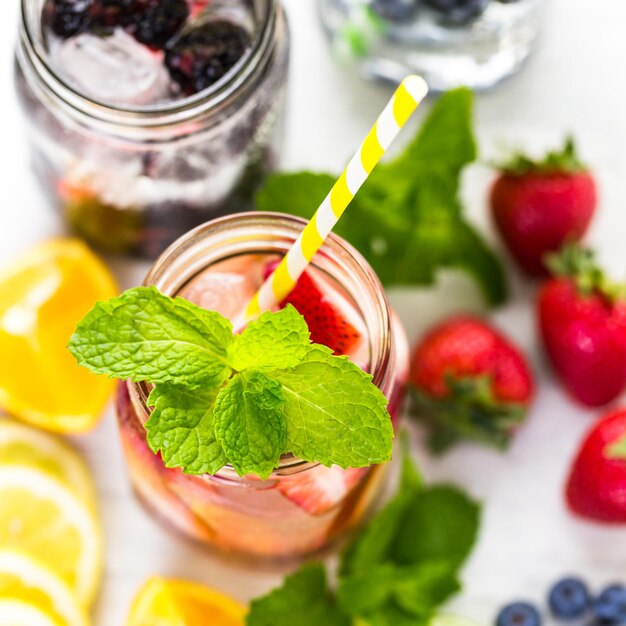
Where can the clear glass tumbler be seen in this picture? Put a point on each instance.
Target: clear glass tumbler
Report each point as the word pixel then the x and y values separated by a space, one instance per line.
pixel 131 178
pixel 302 507
pixel 451 43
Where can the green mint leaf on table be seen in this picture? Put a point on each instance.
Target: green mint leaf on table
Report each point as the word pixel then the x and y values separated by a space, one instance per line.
pixel 244 400
pixel 333 411
pixel 383 579
pixel 373 543
pixel 272 341
pixel 439 525
pixel 181 427
pixel 249 423
pixel 407 219
pixel 416 589
pixel 304 599
pixel 143 335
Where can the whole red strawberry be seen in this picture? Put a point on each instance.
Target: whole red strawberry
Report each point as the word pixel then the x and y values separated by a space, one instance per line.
pixel 469 381
pixel 538 206
pixel 596 488
pixel 582 318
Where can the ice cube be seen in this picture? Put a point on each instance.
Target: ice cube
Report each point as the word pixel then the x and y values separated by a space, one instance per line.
pixel 115 69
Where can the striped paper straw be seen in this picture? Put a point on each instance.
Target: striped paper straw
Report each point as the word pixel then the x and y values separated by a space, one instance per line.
pixel 279 284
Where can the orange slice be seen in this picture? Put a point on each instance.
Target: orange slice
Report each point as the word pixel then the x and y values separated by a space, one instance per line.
pixel 43 295
pixel 163 602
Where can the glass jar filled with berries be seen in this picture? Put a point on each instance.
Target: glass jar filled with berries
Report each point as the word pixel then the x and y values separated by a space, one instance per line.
pixel 149 117
pixel 451 43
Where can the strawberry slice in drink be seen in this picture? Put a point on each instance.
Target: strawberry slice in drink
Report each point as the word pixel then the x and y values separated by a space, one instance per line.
pixel 332 321
pixel 326 315
pixel 319 490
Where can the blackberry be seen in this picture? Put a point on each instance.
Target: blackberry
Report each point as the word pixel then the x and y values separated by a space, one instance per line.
pixel 160 21
pixel 200 57
pixel 112 13
pixel 458 11
pixel 67 18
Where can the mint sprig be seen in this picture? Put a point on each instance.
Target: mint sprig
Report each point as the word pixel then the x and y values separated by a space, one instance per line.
pixel 241 399
pixel 397 572
pixel 407 219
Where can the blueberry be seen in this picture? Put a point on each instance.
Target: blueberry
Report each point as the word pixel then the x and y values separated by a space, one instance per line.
pixel 160 21
pixel 519 614
pixel 396 10
pixel 200 57
pixel 610 606
pixel 459 11
pixel 569 599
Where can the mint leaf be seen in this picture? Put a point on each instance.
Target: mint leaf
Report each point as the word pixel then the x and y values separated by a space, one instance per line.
pixel 181 428
pixel 274 340
pixel 372 546
pixel 143 335
pixel 391 615
pixel 407 219
pixel 417 589
pixel 376 587
pixel 246 400
pixel 441 525
pixel 304 599
pixel 249 423
pixel 334 415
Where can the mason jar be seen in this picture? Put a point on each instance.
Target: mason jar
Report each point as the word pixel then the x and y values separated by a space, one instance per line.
pixel 131 178
pixel 302 507
pixel 450 43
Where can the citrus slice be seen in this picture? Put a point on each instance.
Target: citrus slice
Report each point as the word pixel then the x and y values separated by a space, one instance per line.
pixel 163 602
pixel 18 613
pixel 43 517
pixel 43 295
pixel 28 446
pixel 26 581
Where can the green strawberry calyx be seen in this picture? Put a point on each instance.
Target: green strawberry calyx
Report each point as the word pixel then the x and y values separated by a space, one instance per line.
pixel 563 161
pixel 469 410
pixel 579 264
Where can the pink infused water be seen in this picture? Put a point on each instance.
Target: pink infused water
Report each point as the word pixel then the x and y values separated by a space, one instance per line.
pixel 302 507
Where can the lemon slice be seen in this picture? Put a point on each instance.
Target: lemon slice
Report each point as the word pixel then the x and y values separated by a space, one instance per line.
pixel 27 446
pixel 163 602
pixel 18 613
pixel 43 295
pixel 43 517
pixel 28 583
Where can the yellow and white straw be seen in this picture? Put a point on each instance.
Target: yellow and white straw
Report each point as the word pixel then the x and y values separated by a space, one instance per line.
pixel 279 284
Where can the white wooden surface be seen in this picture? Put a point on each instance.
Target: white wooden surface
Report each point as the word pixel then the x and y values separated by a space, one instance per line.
pixel 576 83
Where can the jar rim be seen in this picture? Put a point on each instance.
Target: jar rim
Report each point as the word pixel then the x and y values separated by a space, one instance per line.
pixel 184 253
pixel 163 114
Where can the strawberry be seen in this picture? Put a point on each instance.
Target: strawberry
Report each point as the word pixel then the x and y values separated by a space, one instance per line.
pixel 582 318
pixel 596 488
pixel 328 326
pixel 320 489
pixel 469 381
pixel 537 206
